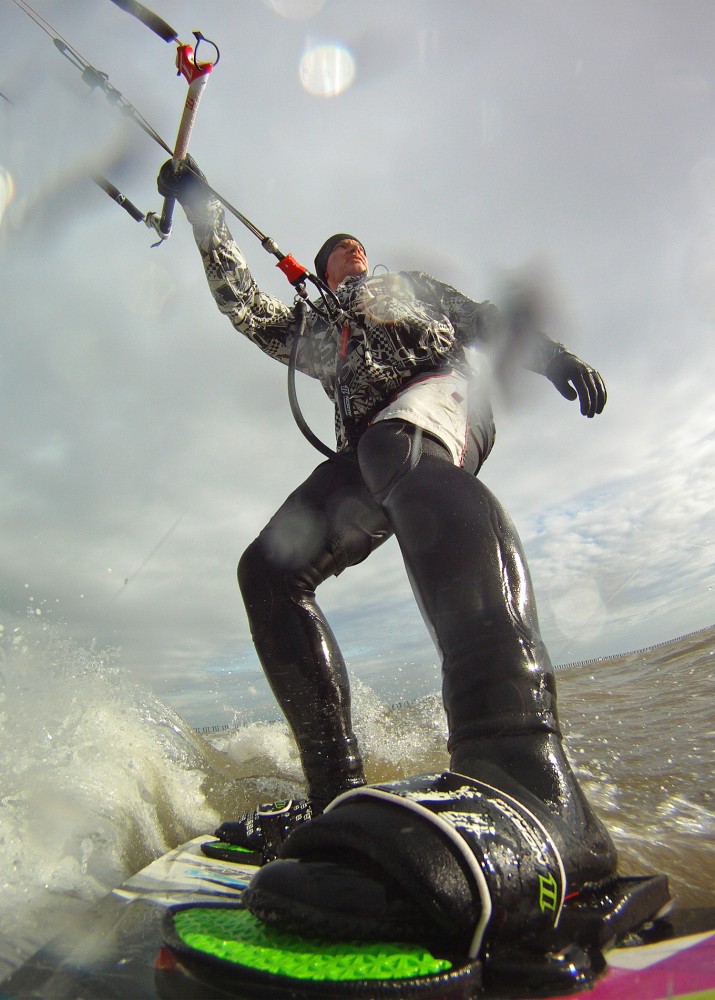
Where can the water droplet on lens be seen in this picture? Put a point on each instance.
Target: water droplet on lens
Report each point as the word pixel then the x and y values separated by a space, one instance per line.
pixel 327 70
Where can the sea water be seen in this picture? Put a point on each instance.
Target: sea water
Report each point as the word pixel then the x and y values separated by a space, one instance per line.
pixel 97 776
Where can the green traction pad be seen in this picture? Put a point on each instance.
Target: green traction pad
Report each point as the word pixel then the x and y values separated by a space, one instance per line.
pixel 236 936
pixel 219 850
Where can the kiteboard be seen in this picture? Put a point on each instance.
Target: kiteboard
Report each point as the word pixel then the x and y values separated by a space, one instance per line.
pixel 117 949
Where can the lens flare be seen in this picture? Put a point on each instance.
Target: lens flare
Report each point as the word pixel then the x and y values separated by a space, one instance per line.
pixel 578 609
pixel 296 10
pixel 7 190
pixel 327 70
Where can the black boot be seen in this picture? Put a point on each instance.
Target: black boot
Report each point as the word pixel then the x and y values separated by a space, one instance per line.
pixel 331 767
pixel 532 767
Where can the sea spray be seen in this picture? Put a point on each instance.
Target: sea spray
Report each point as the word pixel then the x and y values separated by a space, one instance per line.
pixel 97 777
pixel 395 741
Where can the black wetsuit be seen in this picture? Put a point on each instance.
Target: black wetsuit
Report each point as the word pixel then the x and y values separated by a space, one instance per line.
pixel 469 576
pixel 401 470
pixel 468 573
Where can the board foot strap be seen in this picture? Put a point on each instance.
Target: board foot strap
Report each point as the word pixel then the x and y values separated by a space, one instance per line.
pixel 438 886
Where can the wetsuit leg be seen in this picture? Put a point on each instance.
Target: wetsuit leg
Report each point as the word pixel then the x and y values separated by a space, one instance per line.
pixel 327 524
pixel 470 578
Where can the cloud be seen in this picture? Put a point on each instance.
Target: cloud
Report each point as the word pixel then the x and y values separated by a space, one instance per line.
pixel 145 441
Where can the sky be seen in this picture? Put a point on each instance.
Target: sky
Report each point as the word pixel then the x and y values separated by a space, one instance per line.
pixel 566 146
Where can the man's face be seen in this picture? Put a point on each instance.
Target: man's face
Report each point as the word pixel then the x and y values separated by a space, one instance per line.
pixel 346 259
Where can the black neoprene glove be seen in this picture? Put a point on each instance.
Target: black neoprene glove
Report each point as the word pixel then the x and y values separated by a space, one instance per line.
pixel 186 186
pixel 573 377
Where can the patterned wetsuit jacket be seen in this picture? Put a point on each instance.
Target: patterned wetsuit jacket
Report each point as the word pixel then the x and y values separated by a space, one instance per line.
pixel 400 327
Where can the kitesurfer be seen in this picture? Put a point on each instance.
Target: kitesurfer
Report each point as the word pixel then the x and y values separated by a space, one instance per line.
pixel 413 430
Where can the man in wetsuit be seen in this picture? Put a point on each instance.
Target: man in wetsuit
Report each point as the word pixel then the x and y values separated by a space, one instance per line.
pixel 412 433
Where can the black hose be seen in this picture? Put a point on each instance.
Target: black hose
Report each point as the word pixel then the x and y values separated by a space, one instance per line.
pixel 301 312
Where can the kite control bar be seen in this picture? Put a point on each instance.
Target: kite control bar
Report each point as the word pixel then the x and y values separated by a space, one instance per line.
pixel 155 23
pixel 116 195
pixel 196 75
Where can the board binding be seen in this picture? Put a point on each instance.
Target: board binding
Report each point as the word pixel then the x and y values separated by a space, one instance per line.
pixel 223 944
